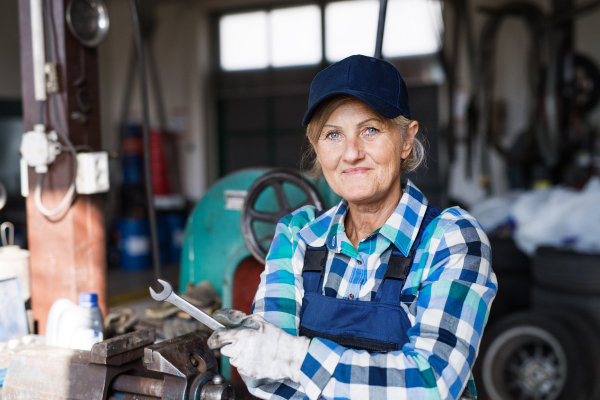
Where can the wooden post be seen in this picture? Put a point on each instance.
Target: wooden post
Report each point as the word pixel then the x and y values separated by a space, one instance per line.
pixel 68 255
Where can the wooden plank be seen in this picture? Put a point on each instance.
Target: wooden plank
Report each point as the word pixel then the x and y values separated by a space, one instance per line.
pixel 68 254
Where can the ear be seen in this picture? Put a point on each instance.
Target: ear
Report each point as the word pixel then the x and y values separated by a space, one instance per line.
pixel 409 139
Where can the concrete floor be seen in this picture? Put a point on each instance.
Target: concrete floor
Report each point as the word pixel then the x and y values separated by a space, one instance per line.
pixel 124 287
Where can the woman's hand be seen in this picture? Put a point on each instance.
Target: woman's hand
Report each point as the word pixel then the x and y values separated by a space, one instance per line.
pixel 258 348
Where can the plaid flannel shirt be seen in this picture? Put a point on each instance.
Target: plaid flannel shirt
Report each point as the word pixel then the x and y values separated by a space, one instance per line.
pixel 447 297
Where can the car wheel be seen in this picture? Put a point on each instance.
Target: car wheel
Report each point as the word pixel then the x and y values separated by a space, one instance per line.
pixel 531 356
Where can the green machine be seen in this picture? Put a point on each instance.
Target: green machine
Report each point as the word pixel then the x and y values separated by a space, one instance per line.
pixel 236 220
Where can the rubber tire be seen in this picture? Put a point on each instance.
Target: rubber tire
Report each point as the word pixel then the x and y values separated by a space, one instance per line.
pixel 567 271
pixel 582 304
pixel 514 295
pixel 575 379
pixel 587 338
pixel 507 259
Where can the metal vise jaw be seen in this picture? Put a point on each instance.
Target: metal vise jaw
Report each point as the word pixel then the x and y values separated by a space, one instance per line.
pixel 48 372
pixel 125 367
pixel 189 368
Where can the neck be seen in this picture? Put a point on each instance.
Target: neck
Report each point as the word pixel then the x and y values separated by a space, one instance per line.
pixel 363 219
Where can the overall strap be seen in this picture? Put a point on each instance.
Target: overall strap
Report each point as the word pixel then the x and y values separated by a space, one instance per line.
pixel 314 265
pixel 399 265
pixel 314 268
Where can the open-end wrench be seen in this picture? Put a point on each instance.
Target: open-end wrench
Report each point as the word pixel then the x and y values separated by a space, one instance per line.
pixel 168 295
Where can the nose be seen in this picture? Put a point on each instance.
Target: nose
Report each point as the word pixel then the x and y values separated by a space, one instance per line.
pixel 353 151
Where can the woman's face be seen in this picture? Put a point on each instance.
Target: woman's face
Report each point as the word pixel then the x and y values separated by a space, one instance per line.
pixel 360 152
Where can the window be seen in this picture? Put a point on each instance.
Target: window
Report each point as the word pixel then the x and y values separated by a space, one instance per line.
pixel 295 36
pixel 292 36
pixel 282 37
pixel 350 28
pixel 412 27
pixel 244 41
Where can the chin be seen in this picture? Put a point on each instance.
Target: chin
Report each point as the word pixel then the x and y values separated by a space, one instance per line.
pixel 360 196
pixel 357 188
pixel 359 200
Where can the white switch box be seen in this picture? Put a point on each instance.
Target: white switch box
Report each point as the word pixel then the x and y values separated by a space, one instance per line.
pixel 92 173
pixel 39 149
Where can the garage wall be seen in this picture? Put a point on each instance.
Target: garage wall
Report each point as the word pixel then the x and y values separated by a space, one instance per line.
pixel 182 66
pixel 10 66
pixel 511 87
pixel 183 42
pixel 513 44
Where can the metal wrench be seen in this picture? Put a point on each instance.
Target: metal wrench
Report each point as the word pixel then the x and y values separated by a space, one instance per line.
pixel 168 295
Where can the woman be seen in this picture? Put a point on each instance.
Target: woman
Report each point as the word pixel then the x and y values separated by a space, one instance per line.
pixel 382 271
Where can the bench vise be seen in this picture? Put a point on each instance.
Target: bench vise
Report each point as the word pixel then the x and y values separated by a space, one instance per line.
pixel 126 367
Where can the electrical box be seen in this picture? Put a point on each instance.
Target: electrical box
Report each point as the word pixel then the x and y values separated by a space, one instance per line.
pixel 92 173
pixel 39 149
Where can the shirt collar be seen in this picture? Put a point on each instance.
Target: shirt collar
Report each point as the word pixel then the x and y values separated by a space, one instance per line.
pixel 401 228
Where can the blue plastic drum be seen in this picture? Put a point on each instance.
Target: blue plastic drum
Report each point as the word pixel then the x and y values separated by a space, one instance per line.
pixel 134 244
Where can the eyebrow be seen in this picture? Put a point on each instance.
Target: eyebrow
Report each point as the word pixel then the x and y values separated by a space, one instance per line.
pixel 367 120
pixel 359 124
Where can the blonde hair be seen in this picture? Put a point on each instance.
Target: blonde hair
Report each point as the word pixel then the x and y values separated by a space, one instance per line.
pixel 322 114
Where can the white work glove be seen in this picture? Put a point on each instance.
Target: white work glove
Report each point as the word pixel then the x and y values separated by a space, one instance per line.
pixel 258 348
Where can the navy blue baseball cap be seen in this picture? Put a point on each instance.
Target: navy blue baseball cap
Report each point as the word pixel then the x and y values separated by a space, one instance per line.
pixel 376 82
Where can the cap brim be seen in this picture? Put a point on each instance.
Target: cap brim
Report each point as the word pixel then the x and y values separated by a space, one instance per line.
pixel 382 107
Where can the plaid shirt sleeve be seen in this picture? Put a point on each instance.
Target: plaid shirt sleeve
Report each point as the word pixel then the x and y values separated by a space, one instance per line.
pixel 280 292
pixel 454 287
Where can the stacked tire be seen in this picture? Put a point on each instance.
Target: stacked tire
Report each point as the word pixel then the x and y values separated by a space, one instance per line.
pixel 550 352
pixel 513 271
pixel 567 281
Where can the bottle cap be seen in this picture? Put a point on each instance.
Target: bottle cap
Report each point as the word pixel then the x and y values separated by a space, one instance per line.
pixel 88 299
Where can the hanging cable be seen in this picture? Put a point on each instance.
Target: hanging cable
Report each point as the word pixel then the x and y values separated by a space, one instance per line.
pixel 146 134
pixel 41 115
pixel 58 127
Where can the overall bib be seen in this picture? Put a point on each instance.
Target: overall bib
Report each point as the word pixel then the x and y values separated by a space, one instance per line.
pixel 377 326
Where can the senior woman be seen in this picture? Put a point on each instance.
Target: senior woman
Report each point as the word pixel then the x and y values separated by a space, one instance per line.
pixel 381 296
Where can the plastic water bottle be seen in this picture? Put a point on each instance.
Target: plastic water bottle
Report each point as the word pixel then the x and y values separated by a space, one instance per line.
pixel 75 326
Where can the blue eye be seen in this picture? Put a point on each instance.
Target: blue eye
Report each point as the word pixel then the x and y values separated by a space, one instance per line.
pixel 333 136
pixel 372 131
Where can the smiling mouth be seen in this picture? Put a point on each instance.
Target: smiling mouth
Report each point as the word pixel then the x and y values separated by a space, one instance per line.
pixel 356 171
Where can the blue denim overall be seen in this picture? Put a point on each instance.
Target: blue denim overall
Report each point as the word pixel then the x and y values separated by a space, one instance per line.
pixel 378 326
